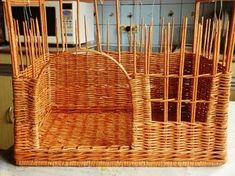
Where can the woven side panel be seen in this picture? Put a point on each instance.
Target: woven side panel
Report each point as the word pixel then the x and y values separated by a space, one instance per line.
pixel 24 138
pixel 89 83
pixel 138 112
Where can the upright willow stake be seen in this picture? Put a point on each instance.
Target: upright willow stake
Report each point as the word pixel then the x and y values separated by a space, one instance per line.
pixel 107 37
pixel 172 33
pixel 118 29
pixel 150 45
pixel 56 36
pixel 39 38
pixel 62 25
pixel 162 35
pixel 146 51
pixel 208 38
pixel 85 27
pixel 130 41
pixel 166 71
pixel 196 73
pixel 226 44
pixel 181 69
pixel 97 26
pixel 205 37
pixel 78 24
pixel 141 33
pixel 66 38
pixel 20 47
pixel 26 44
pixel 135 64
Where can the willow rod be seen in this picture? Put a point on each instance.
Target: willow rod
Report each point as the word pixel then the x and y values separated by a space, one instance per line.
pixel 76 36
pixel 39 37
pixel 29 42
pixel 211 40
pixel 56 37
pixel 43 27
pixel 208 38
pixel 181 69
pixel 231 42
pixel 118 29
pixel 205 38
pixel 26 44
pixel 146 50
pixel 162 35
pixel 135 65
pixel 196 73
pixel 226 44
pixel 66 37
pixel 33 28
pixel 85 27
pixel 107 37
pixel 141 33
pixel 62 25
pixel 150 45
pixel 20 46
pixel 196 20
pixel 217 47
pixel 172 33
pixel 78 24
pixel 166 71
pixel 130 41
pixel 9 17
pixel 17 42
pixel 97 27
pixel 33 52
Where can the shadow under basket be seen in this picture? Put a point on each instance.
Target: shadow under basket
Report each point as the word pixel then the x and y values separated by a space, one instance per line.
pixel 85 110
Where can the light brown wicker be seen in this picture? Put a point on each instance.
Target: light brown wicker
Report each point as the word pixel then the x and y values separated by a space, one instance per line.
pixel 90 108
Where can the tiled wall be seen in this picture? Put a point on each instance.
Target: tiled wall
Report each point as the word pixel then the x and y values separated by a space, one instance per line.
pixel 161 8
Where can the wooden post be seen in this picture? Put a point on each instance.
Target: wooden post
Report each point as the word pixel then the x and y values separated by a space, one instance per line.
pixel 172 33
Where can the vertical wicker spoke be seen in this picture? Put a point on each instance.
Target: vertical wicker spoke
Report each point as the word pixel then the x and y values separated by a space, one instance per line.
pixel 97 27
pixel 107 37
pixel 196 73
pixel 85 28
pixel 166 71
pixel 162 35
pixel 118 29
pixel 181 69
pixel 62 25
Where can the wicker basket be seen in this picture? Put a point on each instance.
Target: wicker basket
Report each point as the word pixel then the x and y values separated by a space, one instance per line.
pixel 85 108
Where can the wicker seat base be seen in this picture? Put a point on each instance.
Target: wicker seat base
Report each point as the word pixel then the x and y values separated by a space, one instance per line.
pixel 73 130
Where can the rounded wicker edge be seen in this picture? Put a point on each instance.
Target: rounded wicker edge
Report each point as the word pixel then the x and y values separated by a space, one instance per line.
pixel 122 163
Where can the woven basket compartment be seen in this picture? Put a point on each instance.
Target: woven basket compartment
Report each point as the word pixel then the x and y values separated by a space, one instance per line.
pixel 84 107
pixel 83 110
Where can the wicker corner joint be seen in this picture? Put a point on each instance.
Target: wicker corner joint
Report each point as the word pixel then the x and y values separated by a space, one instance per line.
pixel 86 107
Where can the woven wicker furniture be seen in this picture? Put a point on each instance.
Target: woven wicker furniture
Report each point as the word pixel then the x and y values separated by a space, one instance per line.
pixel 93 108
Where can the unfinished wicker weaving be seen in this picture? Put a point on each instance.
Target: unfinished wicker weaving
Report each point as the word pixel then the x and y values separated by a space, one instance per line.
pixel 86 107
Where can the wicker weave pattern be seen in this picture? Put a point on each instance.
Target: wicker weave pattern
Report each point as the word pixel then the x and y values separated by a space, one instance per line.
pixel 138 108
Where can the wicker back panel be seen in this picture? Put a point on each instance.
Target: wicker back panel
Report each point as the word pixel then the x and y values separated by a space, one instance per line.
pixel 88 82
